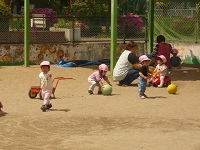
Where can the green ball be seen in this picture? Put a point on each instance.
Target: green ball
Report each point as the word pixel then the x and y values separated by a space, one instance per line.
pixel 172 88
pixel 107 89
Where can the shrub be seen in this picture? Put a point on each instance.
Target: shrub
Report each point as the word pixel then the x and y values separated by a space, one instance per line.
pixel 5 10
pixel 86 8
pixel 130 24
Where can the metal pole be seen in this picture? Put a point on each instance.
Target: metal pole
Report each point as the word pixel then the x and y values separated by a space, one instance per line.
pixel 26 32
pixel 151 25
pixel 113 34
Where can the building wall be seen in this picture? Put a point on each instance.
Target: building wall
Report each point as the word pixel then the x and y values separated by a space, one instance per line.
pixel 14 54
pixel 189 53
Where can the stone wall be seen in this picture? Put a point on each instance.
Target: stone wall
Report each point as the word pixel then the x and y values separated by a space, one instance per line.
pixel 11 54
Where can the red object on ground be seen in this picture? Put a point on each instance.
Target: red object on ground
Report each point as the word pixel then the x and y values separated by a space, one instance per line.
pixel 34 90
pixel 155 81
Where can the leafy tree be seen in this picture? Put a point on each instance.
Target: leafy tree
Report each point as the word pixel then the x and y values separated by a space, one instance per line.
pixel 53 4
pixel 85 8
pixel 131 6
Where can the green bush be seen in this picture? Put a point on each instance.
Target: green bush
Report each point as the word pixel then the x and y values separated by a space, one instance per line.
pixel 5 10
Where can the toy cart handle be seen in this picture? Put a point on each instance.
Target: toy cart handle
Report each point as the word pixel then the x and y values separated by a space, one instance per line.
pixel 62 78
pixel 58 79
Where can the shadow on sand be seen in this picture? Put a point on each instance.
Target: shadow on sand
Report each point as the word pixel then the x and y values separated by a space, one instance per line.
pixel 65 110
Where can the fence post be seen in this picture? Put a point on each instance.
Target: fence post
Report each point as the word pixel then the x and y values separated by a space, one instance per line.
pixel 197 22
pixel 151 24
pixel 113 34
pixel 26 32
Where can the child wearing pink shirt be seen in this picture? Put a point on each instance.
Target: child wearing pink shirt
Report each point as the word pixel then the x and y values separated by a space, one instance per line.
pixel 95 79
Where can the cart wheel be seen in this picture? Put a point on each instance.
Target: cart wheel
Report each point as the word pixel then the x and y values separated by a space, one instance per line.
pixel 32 94
pixel 40 94
pixel 167 84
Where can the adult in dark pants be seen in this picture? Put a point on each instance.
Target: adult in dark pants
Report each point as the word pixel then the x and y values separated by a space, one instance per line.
pixel 127 66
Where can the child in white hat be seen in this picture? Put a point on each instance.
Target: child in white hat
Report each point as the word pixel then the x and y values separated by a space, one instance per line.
pixel 46 84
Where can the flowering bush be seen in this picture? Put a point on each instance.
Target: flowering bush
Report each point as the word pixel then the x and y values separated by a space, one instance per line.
pixel 5 10
pixel 86 8
pixel 130 24
pixel 50 14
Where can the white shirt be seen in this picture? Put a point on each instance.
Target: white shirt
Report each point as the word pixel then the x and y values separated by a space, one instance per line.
pixel 122 66
pixel 46 81
pixel 161 68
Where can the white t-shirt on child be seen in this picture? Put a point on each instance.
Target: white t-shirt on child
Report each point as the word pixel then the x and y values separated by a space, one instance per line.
pixel 161 68
pixel 46 81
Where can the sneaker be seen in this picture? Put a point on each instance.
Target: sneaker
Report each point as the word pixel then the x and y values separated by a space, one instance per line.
pixel 1 106
pixel 99 92
pixel 142 96
pixel 90 92
pixel 49 106
pixel 145 95
pixel 159 86
pixel 122 84
pixel 44 107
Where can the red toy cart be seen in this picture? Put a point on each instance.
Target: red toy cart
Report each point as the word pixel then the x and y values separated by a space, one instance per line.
pixel 155 81
pixel 35 90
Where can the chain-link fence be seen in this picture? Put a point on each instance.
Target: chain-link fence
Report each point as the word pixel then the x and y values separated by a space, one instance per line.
pixel 177 21
pixel 71 29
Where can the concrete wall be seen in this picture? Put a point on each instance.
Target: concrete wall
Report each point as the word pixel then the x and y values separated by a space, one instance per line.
pixel 14 54
pixel 189 53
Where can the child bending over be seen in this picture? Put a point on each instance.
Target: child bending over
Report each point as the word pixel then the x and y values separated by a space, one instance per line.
pixel 95 79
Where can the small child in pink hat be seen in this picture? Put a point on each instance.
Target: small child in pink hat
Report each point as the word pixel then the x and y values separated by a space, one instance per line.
pixel 143 76
pixel 161 69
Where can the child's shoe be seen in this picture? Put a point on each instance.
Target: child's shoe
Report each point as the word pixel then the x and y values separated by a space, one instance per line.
pixel 49 106
pixel 145 95
pixel 90 92
pixel 44 107
pixel 159 86
pixel 142 96
pixel 99 92
pixel 1 105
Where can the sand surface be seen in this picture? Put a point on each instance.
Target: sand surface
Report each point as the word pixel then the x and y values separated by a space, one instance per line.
pixel 79 121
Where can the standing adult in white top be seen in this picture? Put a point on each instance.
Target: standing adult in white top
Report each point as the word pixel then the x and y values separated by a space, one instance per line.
pixel 127 67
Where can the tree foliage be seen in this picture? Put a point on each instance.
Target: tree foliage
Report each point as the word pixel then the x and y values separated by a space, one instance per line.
pixel 84 8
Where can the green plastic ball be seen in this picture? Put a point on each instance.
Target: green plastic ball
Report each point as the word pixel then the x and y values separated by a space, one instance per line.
pixel 107 89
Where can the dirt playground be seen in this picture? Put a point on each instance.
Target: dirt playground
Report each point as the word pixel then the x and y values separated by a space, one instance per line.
pixel 79 121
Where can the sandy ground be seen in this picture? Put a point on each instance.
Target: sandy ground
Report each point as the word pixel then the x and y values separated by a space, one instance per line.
pixel 79 121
